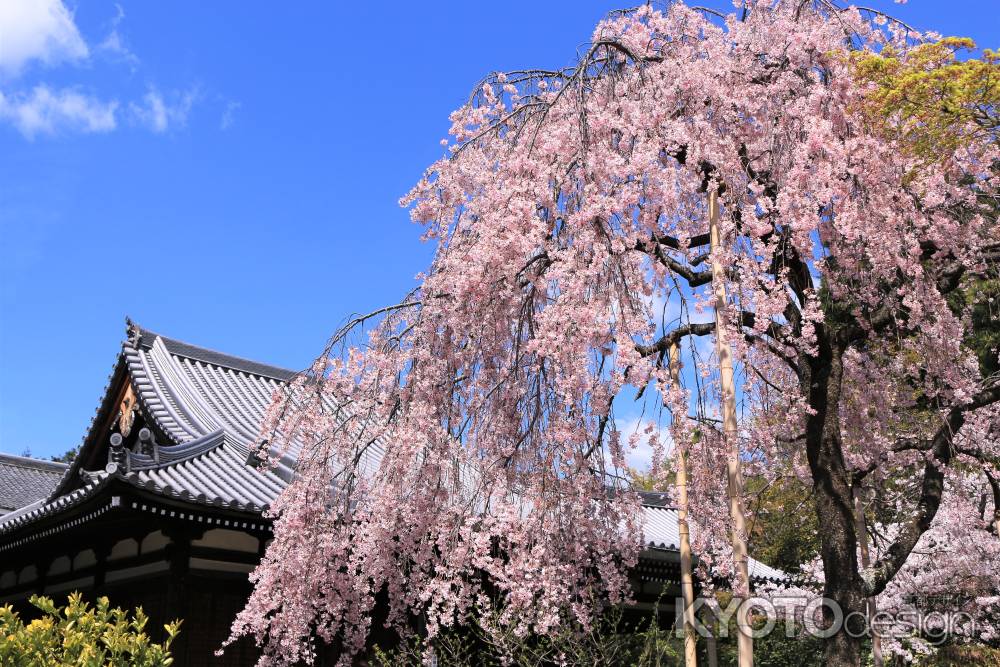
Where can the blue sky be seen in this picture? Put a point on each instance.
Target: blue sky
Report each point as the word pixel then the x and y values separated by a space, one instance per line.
pixel 228 173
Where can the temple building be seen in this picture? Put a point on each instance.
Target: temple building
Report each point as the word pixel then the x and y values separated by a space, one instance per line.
pixel 162 506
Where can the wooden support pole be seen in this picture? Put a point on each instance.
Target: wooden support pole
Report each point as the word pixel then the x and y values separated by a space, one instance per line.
pixel 866 560
pixel 101 552
pixel 687 580
pixel 178 585
pixel 733 472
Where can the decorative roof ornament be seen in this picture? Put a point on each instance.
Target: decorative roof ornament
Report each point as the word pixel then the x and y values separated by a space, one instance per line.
pixel 117 456
pixel 133 332
pixel 90 476
pixel 147 444
pixel 126 411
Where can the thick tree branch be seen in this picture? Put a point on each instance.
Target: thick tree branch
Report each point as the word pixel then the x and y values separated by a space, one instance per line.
pixel 693 278
pixel 932 488
pixel 663 344
pixel 674 243
pixel 995 487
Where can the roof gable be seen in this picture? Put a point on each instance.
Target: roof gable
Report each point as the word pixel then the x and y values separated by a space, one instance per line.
pixel 183 394
pixel 188 397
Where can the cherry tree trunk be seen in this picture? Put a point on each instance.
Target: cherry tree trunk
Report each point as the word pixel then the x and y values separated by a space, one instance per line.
pixel 711 645
pixel 834 501
pixel 862 532
pixel 995 487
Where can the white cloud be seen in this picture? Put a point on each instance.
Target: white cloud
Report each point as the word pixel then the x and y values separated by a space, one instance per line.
pixel 45 31
pixel 47 111
pixel 37 30
pixel 159 114
pixel 229 115
pixel 114 44
pixel 641 457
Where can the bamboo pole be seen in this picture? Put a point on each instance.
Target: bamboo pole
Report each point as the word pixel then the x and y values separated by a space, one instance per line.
pixel 866 559
pixel 687 581
pixel 733 472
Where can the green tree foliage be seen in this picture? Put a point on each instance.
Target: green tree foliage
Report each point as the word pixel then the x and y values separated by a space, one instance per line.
pixel 610 642
pixel 784 531
pixel 67 456
pixel 933 104
pixel 775 649
pixel 81 636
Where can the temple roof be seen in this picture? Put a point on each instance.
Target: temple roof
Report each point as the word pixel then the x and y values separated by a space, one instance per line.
pixel 192 392
pixel 24 480
pixel 145 338
pixel 204 409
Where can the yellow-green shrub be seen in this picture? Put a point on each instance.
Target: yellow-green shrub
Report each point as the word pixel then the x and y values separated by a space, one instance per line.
pixel 81 636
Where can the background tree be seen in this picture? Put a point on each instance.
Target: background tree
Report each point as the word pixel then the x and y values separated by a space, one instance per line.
pixel 67 456
pixel 784 532
pixel 464 460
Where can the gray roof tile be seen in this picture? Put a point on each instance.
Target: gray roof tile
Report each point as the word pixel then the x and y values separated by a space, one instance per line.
pixel 145 338
pixel 24 480
pixel 44 507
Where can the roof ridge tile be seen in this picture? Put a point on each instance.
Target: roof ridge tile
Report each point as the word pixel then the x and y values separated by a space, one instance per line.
pixel 139 336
